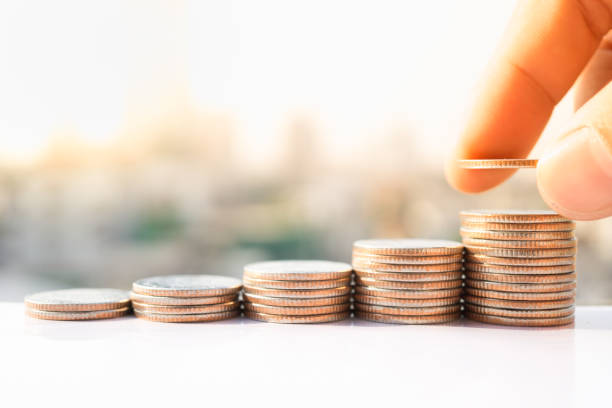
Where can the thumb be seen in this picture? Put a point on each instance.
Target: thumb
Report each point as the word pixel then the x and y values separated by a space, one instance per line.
pixel 575 177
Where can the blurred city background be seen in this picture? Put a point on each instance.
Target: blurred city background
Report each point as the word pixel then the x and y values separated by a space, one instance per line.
pixel 156 137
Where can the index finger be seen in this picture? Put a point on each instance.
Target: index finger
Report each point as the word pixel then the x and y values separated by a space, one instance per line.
pixel 545 47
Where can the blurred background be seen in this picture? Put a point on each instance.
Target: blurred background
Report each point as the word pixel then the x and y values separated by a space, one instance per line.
pixel 156 137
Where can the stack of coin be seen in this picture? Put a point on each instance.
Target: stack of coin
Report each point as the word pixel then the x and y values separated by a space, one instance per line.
pixel 297 291
pixel 520 267
pixel 410 281
pixel 78 304
pixel 186 298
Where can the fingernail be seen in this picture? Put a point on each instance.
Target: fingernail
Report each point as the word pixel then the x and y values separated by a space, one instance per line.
pixel 575 178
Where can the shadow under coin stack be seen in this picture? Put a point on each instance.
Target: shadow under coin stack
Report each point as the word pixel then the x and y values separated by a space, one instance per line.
pixel 78 304
pixel 186 298
pixel 520 267
pixel 297 291
pixel 410 281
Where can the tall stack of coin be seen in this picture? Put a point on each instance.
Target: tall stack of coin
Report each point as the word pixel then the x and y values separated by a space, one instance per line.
pixel 78 304
pixel 297 291
pixel 186 298
pixel 520 267
pixel 410 281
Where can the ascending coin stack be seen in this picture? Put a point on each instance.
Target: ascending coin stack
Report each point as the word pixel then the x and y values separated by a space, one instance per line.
pixel 297 291
pixel 520 267
pixel 78 304
pixel 186 298
pixel 410 281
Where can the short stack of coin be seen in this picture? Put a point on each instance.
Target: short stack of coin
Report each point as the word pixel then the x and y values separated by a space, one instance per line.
pixel 186 298
pixel 410 281
pixel 78 304
pixel 297 291
pixel 520 267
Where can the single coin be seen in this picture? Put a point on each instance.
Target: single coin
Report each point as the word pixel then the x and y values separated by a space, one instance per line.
pixel 182 301
pixel 295 302
pixel 298 270
pixel 407 294
pixel 398 319
pixel 512 216
pixel 521 278
pixel 78 300
pixel 521 253
pixel 530 314
pixel 410 277
pixel 550 244
pixel 223 307
pixel 296 311
pixel 407 246
pixel 380 267
pixel 187 318
pixel 516 321
pixel 518 269
pixel 516 235
pixel 525 226
pixel 519 296
pixel 520 304
pixel 407 260
pixel 187 285
pixel 293 284
pixel 520 287
pixel 383 301
pixel 302 294
pixel 88 315
pixel 408 311
pixel 451 284
pixel 493 260
pixel 494 164
pixel 323 318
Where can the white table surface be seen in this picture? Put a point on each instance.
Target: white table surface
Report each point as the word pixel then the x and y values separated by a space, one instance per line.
pixel 131 362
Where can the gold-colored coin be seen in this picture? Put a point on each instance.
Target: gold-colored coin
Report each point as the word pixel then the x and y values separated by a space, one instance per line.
pixel 516 235
pixel 527 270
pixel 296 311
pixel 407 246
pixel 519 296
pixel 180 301
pixel 490 243
pixel 187 318
pixel 398 319
pixel 78 300
pixel 408 311
pixel 450 284
pixel 293 284
pixel 379 267
pixel 302 294
pixel 407 260
pixel 296 302
pixel 525 226
pixel 410 277
pixel 89 315
pixel 270 318
pixel 298 270
pixel 407 294
pixel 516 321
pixel 520 304
pixel 494 164
pixel 222 307
pixel 529 314
pixel 492 260
pixel 521 287
pixel 187 285
pixel 521 253
pixel 521 278
pixel 512 216
pixel 383 301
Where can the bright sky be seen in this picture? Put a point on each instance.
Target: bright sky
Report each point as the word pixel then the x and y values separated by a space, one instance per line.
pixel 97 68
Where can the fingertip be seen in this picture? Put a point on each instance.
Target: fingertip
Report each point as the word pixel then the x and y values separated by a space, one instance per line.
pixel 473 180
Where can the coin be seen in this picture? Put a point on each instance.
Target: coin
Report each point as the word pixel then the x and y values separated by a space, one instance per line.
pixel 222 307
pixel 525 226
pixel 410 277
pixel 512 216
pixel 383 301
pixel 187 318
pixel 296 302
pixel 550 244
pixel 298 270
pixel 520 296
pixel 296 311
pixel 516 321
pixel 407 294
pixel 293 284
pixel 539 314
pixel 407 246
pixel 408 285
pixel 492 260
pixel 527 270
pixel 521 287
pixel 182 301
pixel 187 285
pixel 520 304
pixel 302 294
pixel 398 319
pixel 78 300
pixel 407 260
pixel 521 278
pixel 270 318
pixel 408 311
pixel 493 164
pixel 516 235
pixel 88 315
pixel 380 267
pixel 521 253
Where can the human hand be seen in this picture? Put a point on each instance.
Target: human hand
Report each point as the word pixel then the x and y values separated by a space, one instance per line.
pixel 548 45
